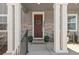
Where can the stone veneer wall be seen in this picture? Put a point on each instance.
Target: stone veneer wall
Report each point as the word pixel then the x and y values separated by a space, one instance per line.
pixel 48 24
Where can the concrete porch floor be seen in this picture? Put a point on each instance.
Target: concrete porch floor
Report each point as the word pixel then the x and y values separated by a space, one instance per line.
pixel 46 49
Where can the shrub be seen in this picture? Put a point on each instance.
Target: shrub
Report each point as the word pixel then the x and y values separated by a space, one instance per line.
pixel 30 38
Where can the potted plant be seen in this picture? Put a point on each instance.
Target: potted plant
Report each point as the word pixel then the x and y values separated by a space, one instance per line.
pixel 30 38
pixel 46 38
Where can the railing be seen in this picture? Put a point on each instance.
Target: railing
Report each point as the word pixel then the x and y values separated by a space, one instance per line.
pixel 24 44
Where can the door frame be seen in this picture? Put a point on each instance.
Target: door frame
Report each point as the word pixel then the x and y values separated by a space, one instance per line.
pixel 33 13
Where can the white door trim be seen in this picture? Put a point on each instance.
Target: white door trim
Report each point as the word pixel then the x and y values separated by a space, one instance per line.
pixel 33 13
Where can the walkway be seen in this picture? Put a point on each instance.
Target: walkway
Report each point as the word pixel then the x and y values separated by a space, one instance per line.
pixel 74 47
pixel 45 49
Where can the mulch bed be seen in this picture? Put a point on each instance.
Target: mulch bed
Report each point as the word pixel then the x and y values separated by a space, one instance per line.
pixel 3 49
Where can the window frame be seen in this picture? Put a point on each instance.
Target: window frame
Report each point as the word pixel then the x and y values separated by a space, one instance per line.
pixel 73 22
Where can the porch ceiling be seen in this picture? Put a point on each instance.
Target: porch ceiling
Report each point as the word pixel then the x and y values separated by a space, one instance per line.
pixel 46 6
pixel 38 7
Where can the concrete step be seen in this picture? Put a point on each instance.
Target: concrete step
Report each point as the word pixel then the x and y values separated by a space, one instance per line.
pixel 38 41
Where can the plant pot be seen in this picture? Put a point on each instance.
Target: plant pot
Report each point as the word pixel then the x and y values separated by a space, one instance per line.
pixel 46 39
pixel 30 38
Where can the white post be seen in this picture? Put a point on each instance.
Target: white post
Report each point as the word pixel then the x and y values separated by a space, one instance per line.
pixel 56 28
pixel 17 26
pixel 64 27
pixel 10 27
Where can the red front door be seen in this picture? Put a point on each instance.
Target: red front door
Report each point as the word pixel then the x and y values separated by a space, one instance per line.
pixel 38 32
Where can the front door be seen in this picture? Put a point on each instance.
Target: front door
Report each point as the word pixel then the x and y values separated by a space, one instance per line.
pixel 38 23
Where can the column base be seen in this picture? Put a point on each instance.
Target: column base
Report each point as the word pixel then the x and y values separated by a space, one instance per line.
pixel 10 53
pixel 61 51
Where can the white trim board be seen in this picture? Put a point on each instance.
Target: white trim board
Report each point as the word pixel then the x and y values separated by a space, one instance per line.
pixel 33 13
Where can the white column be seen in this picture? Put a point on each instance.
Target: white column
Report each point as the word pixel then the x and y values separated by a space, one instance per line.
pixel 10 27
pixel 64 27
pixel 57 27
pixel 17 25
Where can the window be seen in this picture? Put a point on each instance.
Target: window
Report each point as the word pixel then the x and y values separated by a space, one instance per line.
pixel 3 17
pixel 72 22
